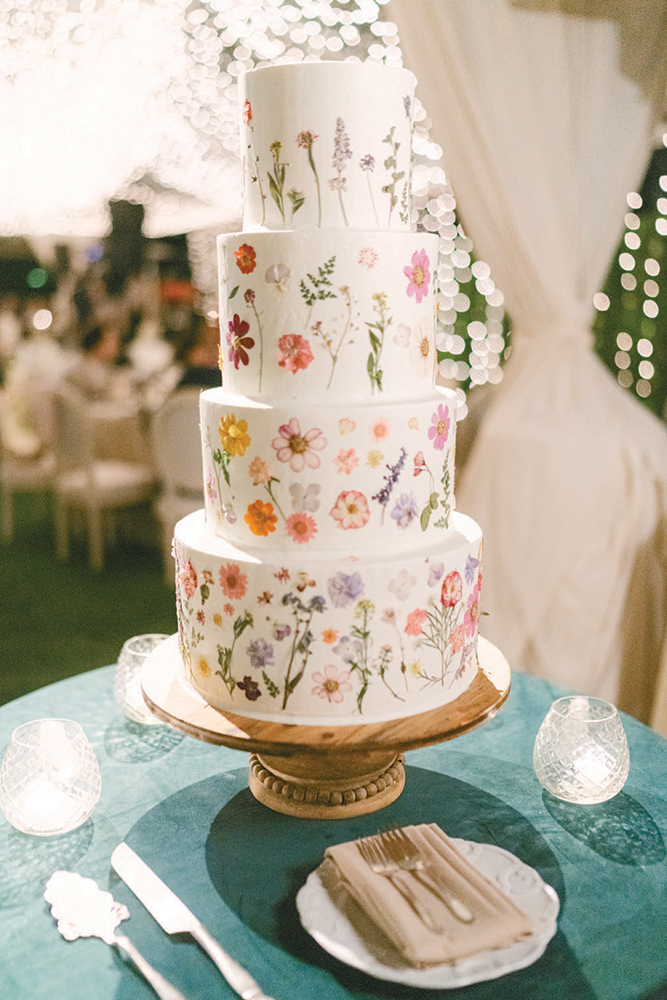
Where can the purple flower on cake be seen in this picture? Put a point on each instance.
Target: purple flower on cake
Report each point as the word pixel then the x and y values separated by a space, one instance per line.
pixel 332 684
pixel 281 631
pixel 249 688
pixel 467 659
pixel 295 353
pixel 349 650
pixel 260 653
pixel 415 622
pixel 296 448
pixel 402 584
pixel 469 571
pixel 439 429
pixel 367 162
pixel 277 278
pixel 301 527
pixel 350 510
pixel 345 588
pixel 452 589
pixel 435 574
pixel 305 498
pixel 239 344
pixel 405 511
pixel 346 460
pixel 418 275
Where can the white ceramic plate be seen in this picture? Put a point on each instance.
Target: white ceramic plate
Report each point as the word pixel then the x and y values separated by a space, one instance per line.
pixel 331 929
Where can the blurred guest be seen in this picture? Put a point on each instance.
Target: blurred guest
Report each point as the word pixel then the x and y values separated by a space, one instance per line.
pixel 94 374
pixel 200 356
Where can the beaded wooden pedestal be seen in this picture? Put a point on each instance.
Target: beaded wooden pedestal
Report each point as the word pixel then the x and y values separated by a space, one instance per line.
pixel 322 772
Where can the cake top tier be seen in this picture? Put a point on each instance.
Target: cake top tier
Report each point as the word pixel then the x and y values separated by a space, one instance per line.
pixel 326 145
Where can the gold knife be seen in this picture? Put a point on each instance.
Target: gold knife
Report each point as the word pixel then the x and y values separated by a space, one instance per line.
pixel 175 918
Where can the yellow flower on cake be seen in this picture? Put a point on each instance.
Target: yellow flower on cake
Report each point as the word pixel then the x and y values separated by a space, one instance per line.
pixel 234 435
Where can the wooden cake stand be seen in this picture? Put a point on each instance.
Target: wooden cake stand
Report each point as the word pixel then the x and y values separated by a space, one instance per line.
pixel 322 772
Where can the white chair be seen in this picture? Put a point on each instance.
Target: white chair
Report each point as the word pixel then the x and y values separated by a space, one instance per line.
pixel 178 459
pixel 18 474
pixel 97 486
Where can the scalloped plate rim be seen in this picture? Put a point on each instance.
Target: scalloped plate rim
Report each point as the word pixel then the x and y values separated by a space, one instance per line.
pixel 320 917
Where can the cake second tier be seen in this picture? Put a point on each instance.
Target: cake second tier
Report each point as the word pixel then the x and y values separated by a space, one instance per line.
pixel 328 477
pixel 317 314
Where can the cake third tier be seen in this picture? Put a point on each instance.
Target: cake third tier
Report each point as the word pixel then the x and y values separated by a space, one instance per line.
pixel 327 477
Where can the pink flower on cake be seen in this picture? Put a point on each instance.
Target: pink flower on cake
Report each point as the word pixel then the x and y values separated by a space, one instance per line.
pixel 296 448
pixel 351 510
pixel 295 352
pixel 301 527
pixel 246 259
pixel 306 139
pixel 228 609
pixel 346 426
pixel 239 344
pixel 332 684
pixel 233 582
pixel 457 639
pixel 415 622
pixel 418 275
pixel 380 429
pixel 346 460
pixel 452 589
pixel 259 472
pixel 368 257
pixel 472 612
pixel 420 464
pixel 439 429
pixel 209 486
pixel 247 112
pixel 187 578
pixel 260 518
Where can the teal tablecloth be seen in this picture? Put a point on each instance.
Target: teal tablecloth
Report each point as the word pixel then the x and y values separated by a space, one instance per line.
pixel 186 808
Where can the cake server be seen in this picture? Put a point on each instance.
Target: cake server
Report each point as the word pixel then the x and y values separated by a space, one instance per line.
pixel 82 909
pixel 175 918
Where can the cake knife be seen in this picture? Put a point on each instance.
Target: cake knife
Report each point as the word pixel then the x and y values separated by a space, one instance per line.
pixel 175 918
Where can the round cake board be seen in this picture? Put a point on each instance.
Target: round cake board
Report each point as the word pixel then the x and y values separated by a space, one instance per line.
pixel 320 772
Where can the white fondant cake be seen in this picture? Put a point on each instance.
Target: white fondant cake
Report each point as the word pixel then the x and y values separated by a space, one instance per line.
pixel 328 580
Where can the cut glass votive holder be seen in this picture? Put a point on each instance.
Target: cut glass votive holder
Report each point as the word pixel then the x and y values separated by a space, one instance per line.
pixel 50 779
pixel 581 751
pixel 127 678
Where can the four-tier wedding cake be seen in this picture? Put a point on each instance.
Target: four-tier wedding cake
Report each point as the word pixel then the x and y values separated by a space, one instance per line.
pixel 329 579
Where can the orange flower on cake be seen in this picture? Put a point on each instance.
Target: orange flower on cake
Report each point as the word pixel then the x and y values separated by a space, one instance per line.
pixel 246 258
pixel 260 518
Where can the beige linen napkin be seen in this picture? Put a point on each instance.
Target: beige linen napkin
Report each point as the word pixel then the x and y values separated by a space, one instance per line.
pixel 374 904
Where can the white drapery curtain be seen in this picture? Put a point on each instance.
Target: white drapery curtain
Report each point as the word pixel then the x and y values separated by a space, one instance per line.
pixel 546 112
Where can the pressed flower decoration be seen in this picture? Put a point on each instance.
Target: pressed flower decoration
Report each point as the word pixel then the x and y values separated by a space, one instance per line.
pixel 418 275
pixel 246 258
pixel 238 341
pixel 298 449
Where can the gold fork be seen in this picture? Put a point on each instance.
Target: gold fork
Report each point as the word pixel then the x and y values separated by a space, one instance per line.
pixel 379 862
pixel 407 856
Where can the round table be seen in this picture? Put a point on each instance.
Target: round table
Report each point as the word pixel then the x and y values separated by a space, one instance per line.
pixel 185 807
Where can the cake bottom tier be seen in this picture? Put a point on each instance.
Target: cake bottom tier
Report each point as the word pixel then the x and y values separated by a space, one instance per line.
pixel 328 640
